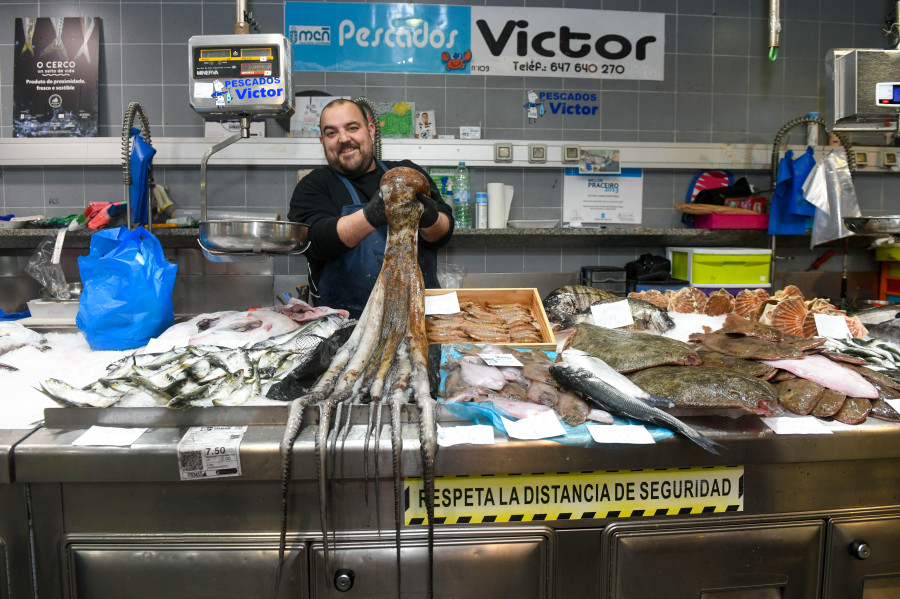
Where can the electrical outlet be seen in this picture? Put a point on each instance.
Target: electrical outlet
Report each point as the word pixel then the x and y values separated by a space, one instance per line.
pixel 570 154
pixel 889 159
pixel 503 151
pixel 537 152
pixel 862 159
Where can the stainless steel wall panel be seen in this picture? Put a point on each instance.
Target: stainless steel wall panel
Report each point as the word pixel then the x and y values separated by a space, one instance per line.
pixel 181 567
pixel 15 560
pixel 467 563
pixel 704 558
pixel 863 558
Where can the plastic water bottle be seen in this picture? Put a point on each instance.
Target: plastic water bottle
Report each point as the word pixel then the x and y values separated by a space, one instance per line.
pixel 462 211
pixel 481 217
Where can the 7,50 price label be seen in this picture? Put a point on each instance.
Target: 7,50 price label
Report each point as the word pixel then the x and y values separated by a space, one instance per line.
pixel 210 452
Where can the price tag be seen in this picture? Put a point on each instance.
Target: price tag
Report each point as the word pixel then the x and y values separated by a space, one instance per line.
pixel 210 452
pixel 57 249
pixel 832 325
pixel 894 403
pixel 633 434
pixel 612 315
pixel 541 426
pixel 500 360
pixel 447 303
pixel 788 425
pixel 476 434
pixel 109 435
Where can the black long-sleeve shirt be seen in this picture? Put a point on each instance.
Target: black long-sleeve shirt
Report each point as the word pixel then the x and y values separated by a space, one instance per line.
pixel 319 198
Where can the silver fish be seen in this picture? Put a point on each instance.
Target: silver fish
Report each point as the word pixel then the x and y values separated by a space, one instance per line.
pixel 87 29
pixel 647 316
pixel 57 45
pixel 68 395
pixel 607 397
pixel 583 360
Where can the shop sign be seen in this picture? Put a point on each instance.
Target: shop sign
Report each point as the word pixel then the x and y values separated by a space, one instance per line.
pixel 480 40
pixel 577 495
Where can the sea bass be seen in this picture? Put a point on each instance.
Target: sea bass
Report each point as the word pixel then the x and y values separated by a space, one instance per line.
pixel 602 370
pixel 647 317
pixel 829 374
pixel 609 398
pixel 628 352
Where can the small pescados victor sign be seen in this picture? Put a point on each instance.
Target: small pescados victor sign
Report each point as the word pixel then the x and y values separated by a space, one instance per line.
pixel 480 40
pixel 55 72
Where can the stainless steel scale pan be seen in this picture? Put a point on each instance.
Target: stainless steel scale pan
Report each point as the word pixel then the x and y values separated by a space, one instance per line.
pixel 873 224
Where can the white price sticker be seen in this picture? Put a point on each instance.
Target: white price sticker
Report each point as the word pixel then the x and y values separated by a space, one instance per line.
pixel 500 360
pixel 210 452
pixel 447 303
pixel 542 426
pixel 832 325
pixel 612 315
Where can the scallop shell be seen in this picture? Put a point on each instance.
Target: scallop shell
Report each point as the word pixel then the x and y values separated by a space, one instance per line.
pixel 789 291
pixel 636 295
pixel 719 302
pixel 656 298
pixel 819 303
pixel 787 316
pixel 762 293
pixel 808 326
pixel 700 299
pixel 745 302
pixel 683 301
pixel 761 312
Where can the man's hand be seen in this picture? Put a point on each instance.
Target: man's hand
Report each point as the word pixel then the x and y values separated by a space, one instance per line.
pixel 374 210
pixel 430 214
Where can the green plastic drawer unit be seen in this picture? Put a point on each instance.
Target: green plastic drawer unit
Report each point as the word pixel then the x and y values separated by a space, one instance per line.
pixel 709 267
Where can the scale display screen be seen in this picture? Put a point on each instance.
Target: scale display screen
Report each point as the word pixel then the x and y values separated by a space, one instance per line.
pixel 887 93
pixel 232 61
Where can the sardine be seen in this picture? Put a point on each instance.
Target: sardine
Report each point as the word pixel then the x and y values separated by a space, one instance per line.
pixel 87 30
pixel 611 399
pixel 68 395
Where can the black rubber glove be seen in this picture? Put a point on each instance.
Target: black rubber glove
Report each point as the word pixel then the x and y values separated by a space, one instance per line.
pixel 430 214
pixel 374 210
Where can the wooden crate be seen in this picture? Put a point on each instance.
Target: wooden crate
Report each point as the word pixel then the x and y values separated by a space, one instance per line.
pixel 526 296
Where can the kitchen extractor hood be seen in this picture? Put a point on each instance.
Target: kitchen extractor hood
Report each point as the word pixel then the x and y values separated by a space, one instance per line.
pixel 862 89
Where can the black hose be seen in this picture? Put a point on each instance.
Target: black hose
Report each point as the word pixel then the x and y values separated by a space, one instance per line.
pixel 779 137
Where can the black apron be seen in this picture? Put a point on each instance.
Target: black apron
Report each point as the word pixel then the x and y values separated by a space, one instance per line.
pixel 348 280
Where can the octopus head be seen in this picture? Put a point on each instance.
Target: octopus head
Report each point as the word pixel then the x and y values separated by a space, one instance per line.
pixel 399 187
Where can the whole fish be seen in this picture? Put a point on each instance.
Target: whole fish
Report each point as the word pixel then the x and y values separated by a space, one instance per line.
pixel 829 374
pixel 611 399
pixel 571 299
pixel 647 317
pixel 707 387
pixel 854 411
pixel 799 395
pixel 579 359
pixel 14 335
pixel 628 352
pixel 829 405
pixel 87 29
pixel 748 367
pixel 68 395
pixel 879 314
pixel 885 331
pixel 743 346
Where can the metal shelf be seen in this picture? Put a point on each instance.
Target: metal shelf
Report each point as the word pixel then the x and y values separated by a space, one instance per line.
pixel 272 151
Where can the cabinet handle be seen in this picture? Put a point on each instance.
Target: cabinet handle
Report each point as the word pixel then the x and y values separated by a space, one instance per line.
pixel 860 549
pixel 343 580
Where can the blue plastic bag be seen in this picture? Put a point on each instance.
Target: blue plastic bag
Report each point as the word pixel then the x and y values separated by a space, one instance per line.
pixel 141 160
pixel 127 294
pixel 782 221
pixel 801 168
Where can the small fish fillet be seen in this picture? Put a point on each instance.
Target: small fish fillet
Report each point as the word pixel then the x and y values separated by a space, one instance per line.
pixel 829 374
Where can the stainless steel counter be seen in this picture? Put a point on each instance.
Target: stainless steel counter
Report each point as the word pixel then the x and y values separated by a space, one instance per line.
pixel 106 516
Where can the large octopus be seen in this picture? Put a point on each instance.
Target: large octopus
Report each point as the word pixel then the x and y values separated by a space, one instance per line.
pixel 385 359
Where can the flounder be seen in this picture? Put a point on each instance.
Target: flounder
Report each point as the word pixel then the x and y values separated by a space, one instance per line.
pixel 628 352
pixel 708 387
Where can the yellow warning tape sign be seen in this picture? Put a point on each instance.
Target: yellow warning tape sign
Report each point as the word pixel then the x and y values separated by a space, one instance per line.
pixel 577 495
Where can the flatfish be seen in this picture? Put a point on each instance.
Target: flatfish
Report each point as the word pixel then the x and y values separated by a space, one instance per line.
pixel 742 346
pixel 569 299
pixel 748 367
pixel 854 411
pixel 743 326
pixel 628 352
pixel 708 387
pixel 830 404
pixel 799 395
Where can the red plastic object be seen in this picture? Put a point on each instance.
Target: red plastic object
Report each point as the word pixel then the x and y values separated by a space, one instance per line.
pixel 731 221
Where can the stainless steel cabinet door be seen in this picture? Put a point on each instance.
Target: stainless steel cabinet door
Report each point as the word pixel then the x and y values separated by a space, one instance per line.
pixel 741 560
pixel 863 558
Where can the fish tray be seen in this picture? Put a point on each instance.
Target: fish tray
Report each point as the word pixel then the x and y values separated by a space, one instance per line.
pixel 528 297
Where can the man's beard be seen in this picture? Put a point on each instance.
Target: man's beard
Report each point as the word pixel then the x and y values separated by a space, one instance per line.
pixel 365 162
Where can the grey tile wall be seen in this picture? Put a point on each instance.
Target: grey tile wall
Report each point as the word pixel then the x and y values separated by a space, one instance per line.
pixel 719 86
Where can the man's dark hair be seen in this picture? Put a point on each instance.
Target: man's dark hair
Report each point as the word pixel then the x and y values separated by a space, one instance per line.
pixel 338 102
